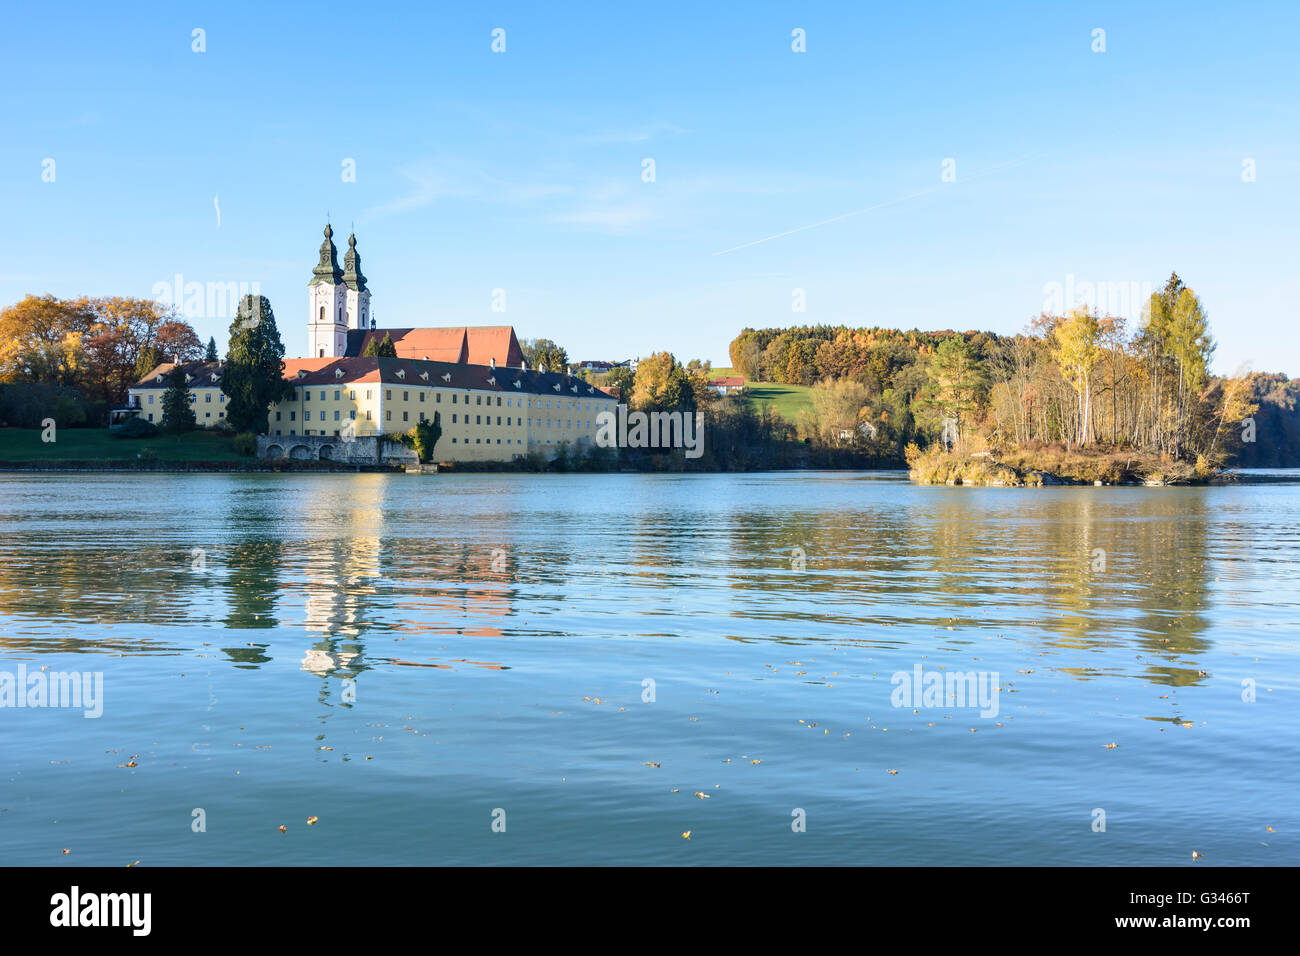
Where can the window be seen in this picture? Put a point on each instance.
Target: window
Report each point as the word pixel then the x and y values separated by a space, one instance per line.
pixel 388 415
pixel 322 395
pixel 388 393
pixel 292 415
pixel 406 396
pixel 453 418
pixel 151 416
pixel 207 397
pixel 498 401
pixel 422 396
pixel 336 414
pixel 367 414
pixel 453 399
pixel 277 416
pixel 193 398
pixel 353 414
pixel 222 398
pixel 352 395
pixel 438 398
pixel 498 419
pixel 336 394
pixel 207 414
pixel 406 416
pixel 150 399
pixel 478 399
pixel 478 419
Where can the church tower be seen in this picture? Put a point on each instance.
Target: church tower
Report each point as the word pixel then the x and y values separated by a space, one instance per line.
pixel 357 295
pixel 326 299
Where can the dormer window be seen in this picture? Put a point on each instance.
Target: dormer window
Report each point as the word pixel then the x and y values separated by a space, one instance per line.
pixel 401 373
pixel 424 375
pixel 338 373
pixel 214 376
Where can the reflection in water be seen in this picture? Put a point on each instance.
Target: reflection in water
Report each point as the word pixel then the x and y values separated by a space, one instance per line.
pixel 504 629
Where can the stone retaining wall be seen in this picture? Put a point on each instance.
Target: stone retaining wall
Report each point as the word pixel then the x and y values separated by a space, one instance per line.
pixel 371 450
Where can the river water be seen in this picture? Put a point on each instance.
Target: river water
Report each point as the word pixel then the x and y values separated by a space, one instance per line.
pixel 580 669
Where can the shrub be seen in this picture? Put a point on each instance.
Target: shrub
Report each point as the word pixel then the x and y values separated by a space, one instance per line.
pixel 135 427
pixel 245 444
pixel 68 412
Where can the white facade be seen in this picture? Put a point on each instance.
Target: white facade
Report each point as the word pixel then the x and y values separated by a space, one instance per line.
pixel 358 309
pixel 327 323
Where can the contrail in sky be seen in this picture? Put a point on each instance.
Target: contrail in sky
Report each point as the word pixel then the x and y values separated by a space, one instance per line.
pixel 879 205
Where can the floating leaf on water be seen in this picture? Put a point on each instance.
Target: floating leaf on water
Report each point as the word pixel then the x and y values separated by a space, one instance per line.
pixel 686 835
pixel 311 821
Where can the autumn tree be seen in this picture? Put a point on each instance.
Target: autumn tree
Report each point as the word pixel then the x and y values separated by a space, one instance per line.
pixel 838 409
pixel 661 385
pixel 41 340
pixel 1077 349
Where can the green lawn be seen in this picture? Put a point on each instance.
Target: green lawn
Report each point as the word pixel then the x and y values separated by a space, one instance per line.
pixel 94 444
pixel 788 400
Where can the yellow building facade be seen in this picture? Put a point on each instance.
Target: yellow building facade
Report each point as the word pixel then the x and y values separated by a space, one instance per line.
pixel 486 413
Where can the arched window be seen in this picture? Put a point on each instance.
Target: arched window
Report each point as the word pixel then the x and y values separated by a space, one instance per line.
pixel 322 313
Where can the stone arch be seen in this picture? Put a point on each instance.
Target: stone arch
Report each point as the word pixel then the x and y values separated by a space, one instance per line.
pixel 326 452
pixel 274 451
pixel 300 452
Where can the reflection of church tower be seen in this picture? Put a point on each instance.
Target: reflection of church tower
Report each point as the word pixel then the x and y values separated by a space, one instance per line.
pixel 358 296
pixel 326 298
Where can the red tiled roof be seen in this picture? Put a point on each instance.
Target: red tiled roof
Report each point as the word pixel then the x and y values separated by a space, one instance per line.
pixel 472 345
pixel 728 382
pixel 493 342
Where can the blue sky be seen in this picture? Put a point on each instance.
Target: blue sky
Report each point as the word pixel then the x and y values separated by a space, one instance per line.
pixel 522 170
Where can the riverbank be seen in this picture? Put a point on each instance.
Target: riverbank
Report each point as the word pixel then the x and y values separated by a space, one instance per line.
pixel 1056 465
